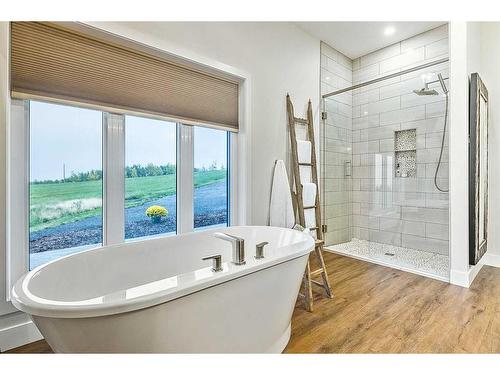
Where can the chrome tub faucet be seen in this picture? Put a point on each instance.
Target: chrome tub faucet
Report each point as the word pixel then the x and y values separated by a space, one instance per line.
pixel 238 245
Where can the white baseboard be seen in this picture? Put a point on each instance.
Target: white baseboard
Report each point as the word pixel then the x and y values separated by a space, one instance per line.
pixel 18 335
pixel 465 278
pixel 459 278
pixel 474 270
pixel 492 259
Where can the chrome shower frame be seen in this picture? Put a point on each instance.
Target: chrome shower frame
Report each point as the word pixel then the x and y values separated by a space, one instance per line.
pixel 393 75
pixel 376 80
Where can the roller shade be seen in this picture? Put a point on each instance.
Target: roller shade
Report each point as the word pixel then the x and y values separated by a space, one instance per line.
pixel 48 61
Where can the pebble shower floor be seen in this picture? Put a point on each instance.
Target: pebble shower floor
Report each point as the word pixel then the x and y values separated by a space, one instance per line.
pixel 421 262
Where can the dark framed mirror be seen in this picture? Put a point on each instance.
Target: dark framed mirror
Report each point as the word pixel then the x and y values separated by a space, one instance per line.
pixel 478 169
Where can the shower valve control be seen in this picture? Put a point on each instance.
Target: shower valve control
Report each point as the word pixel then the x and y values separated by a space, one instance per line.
pixel 347 168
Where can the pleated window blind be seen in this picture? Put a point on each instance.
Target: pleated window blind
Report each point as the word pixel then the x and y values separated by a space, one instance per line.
pixel 48 61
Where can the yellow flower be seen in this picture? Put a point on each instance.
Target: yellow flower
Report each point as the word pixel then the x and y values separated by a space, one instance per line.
pixel 156 211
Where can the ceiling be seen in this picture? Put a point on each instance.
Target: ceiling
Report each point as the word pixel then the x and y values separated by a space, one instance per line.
pixel 355 39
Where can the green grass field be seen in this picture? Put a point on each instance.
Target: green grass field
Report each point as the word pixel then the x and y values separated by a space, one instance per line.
pixel 60 203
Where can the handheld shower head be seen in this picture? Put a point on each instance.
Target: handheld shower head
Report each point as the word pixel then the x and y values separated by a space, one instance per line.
pixel 443 86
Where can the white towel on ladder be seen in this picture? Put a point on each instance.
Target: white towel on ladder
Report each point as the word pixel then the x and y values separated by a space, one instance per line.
pixel 281 208
pixel 309 194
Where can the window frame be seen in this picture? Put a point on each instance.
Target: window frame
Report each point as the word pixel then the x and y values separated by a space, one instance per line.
pixel 113 197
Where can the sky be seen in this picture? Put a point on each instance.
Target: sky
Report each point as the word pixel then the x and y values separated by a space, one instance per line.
pixel 72 137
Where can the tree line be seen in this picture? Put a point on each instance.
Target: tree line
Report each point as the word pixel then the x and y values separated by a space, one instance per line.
pixel 136 170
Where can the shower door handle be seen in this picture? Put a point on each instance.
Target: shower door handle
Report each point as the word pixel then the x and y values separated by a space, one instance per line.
pixel 347 168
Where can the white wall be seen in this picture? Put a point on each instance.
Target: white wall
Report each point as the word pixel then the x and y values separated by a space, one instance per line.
pixel 489 52
pixel 459 222
pixel 279 57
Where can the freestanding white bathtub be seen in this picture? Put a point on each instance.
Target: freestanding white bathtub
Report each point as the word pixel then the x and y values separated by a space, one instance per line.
pixel 160 296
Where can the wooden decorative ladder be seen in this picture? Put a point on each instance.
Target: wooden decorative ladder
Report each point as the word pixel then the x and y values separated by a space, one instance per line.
pixel 299 208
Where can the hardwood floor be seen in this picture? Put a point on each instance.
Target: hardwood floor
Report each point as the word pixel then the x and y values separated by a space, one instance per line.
pixel 381 310
pixel 37 347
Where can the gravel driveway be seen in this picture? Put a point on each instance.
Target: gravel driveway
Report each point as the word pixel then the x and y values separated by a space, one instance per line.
pixel 210 209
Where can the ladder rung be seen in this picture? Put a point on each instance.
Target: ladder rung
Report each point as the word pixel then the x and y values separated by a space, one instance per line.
pixel 305 164
pixel 318 283
pixel 309 207
pixel 319 242
pixel 301 120
pixel 313 228
pixel 317 272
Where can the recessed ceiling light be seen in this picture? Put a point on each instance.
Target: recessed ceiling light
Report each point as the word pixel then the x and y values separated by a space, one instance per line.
pixel 389 30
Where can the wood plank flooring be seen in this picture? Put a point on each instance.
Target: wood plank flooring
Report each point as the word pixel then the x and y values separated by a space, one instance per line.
pixel 381 310
pixel 37 347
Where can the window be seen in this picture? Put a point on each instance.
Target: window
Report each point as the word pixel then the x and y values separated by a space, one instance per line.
pixel 65 180
pixel 150 177
pixel 210 177
pixel 91 178
pixel 71 181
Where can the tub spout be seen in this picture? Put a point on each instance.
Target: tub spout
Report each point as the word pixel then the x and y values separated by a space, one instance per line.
pixel 238 245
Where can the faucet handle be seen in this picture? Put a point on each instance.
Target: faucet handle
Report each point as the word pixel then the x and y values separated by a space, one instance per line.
pixel 217 262
pixel 259 250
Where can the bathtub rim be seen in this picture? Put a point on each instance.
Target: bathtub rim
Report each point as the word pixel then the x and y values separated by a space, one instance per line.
pixel 22 300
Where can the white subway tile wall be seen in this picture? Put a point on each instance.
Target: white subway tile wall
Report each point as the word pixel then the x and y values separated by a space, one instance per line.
pixel 373 204
pixel 336 73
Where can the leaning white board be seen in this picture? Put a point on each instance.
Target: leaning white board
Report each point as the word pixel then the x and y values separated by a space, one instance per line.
pixel 281 208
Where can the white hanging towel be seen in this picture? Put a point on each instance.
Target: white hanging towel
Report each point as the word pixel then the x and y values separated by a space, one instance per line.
pixel 309 194
pixel 281 208
pixel 304 151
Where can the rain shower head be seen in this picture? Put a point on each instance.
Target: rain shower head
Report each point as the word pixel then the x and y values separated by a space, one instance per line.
pixel 425 91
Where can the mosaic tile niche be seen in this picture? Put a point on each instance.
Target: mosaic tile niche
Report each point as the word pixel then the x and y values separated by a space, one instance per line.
pixel 405 150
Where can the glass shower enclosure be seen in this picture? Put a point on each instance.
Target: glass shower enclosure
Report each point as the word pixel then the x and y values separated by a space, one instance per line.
pixel 384 170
